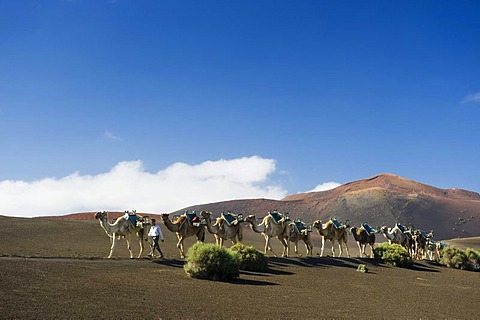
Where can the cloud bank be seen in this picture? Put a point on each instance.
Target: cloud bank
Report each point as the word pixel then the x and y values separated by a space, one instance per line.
pixel 129 186
pixel 325 186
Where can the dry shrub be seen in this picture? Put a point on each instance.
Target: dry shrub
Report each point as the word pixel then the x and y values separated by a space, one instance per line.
pixel 208 261
pixel 393 254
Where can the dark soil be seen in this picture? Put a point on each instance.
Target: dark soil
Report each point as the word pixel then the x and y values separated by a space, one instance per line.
pixel 51 269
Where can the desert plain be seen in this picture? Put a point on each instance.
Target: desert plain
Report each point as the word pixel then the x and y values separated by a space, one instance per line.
pixel 57 269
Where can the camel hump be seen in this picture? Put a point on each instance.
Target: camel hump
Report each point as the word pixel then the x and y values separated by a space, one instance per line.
pixel 180 219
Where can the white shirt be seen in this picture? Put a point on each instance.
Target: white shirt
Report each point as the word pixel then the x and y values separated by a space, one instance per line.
pixel 155 231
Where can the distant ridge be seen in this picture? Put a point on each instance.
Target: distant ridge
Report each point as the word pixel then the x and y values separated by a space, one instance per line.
pixel 383 199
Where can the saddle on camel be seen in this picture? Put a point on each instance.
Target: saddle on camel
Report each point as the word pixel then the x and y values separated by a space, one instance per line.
pixel 231 219
pixel 136 220
pixel 278 217
pixel 302 227
pixel 193 219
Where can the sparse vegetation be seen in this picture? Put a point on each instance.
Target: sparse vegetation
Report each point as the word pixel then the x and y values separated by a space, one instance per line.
pixel 208 261
pixel 453 257
pixel 251 259
pixel 393 254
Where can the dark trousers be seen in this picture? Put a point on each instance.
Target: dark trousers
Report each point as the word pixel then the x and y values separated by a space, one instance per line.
pixel 156 246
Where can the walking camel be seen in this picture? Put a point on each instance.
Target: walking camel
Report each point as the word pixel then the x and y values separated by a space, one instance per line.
pixel 269 229
pixel 329 232
pixel 297 235
pixel 183 229
pixel 363 238
pixel 221 230
pixel 123 228
pixel 396 235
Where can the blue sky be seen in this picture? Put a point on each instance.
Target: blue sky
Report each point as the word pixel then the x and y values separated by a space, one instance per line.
pixel 310 91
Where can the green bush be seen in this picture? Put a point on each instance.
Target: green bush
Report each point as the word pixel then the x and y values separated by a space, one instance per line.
pixel 250 258
pixel 453 257
pixel 393 254
pixel 208 261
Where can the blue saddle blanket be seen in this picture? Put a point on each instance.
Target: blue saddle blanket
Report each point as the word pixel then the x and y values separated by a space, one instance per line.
pixel 402 228
pixel 229 218
pixel 133 218
pixel 300 225
pixel 367 228
pixel 336 224
pixel 277 216
pixel 192 218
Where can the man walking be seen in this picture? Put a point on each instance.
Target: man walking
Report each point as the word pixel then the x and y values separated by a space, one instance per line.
pixel 155 232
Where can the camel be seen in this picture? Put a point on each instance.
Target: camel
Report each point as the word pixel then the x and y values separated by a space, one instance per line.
pixel 396 235
pixel 183 230
pixel 269 229
pixel 329 232
pixel 221 230
pixel 363 238
pixel 304 235
pixel 419 244
pixel 123 228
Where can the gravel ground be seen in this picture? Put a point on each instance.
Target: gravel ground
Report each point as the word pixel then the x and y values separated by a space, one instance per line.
pixel 58 270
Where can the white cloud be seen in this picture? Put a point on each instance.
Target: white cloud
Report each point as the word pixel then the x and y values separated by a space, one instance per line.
pixel 129 186
pixel 475 97
pixel 325 186
pixel 110 135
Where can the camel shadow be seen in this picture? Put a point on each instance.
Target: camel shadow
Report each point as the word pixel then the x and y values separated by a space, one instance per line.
pixel 315 262
pixel 250 282
pixel 423 267
pixel 175 263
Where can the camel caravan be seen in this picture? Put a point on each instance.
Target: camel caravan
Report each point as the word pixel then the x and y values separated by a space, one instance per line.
pixel 228 226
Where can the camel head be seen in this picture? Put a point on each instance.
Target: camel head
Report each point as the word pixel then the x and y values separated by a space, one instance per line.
pixel 165 216
pixel 384 229
pixel 250 218
pixel 101 215
pixel 205 214
pixel 317 224
pixel 353 230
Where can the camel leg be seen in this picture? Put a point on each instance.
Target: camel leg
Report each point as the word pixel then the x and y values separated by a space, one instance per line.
pixel 286 246
pixel 333 248
pixel 114 240
pixel 127 239
pixel 359 249
pixel 180 246
pixel 267 245
pixel 340 248
pixel 346 249
pixel 141 247
pixel 323 246
pixel 371 251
